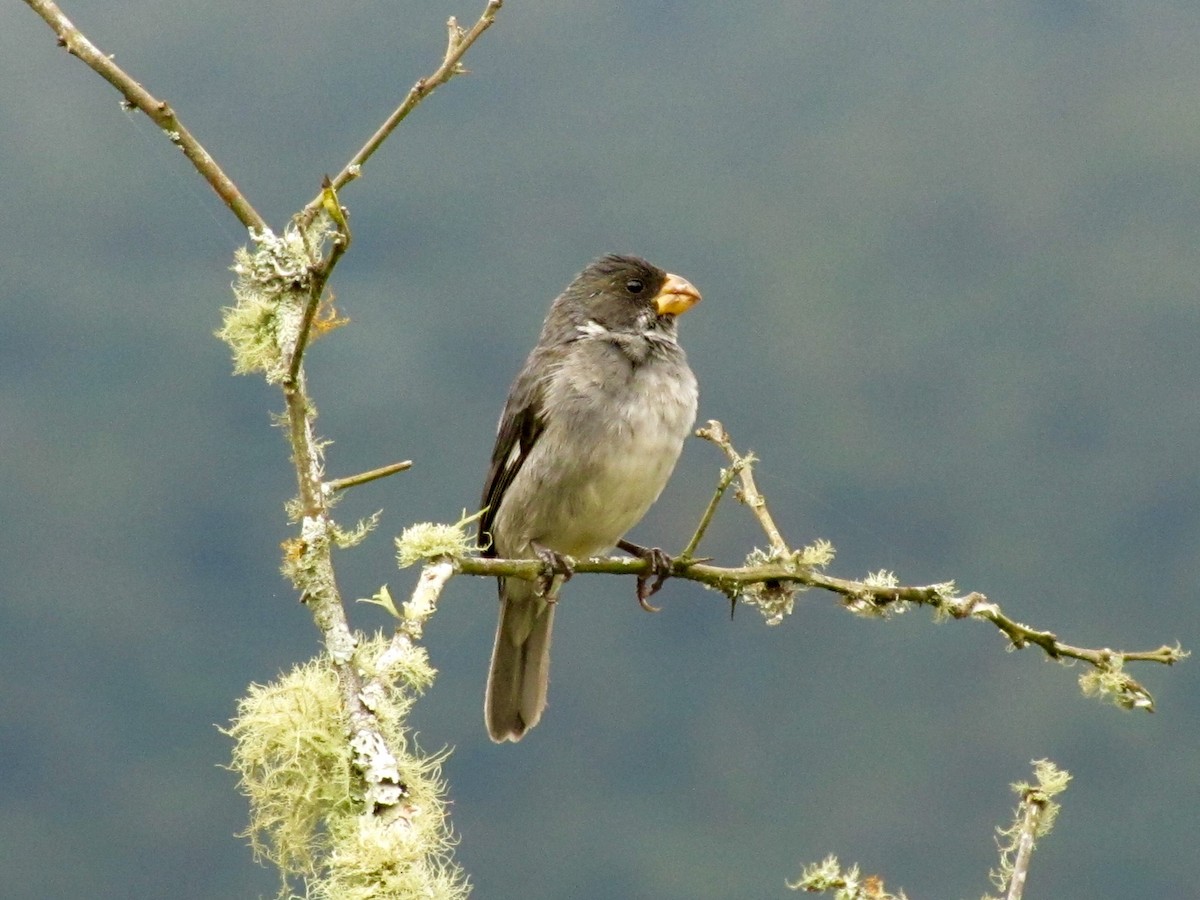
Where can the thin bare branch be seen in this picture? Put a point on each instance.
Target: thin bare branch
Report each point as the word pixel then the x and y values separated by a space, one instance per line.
pixel 723 483
pixel 749 494
pixel 459 43
pixel 340 484
pixel 136 96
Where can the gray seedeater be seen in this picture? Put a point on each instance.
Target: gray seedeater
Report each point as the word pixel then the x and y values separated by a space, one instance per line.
pixel 589 435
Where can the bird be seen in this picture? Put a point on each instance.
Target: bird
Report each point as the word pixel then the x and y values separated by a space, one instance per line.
pixel 590 432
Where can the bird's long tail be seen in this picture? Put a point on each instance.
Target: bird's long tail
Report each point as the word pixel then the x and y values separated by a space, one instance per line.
pixel 520 672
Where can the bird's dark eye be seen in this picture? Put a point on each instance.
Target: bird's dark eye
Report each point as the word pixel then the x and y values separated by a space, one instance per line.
pixel 635 286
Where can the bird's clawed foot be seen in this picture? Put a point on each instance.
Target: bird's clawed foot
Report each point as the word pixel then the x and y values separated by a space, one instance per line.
pixel 660 570
pixel 554 565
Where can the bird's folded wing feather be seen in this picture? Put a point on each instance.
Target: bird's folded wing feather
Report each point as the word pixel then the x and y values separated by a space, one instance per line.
pixel 521 423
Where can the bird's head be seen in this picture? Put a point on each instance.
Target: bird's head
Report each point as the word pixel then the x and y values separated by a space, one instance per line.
pixel 627 294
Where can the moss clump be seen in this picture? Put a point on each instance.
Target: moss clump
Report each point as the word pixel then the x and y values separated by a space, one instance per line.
pixel 296 765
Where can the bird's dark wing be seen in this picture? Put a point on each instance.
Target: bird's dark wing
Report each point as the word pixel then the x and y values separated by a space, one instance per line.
pixel 521 423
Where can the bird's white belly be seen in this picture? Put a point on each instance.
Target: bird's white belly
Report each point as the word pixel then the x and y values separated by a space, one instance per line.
pixel 616 489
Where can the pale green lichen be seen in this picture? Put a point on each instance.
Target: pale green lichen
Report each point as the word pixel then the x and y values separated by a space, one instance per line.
pixel 306 558
pixel 352 537
pixel 1110 682
pixel 882 580
pixel 845 884
pixel 429 540
pixel 271 290
pixel 291 753
pixel 297 768
pixel 411 670
pixel 775 598
pixel 816 555
pixel 945 590
pixel 946 602
pixel 372 860
pixel 1034 817
pixel 866 601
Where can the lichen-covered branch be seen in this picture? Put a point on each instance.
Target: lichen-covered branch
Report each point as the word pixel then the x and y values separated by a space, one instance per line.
pixel 280 293
pixel 308 563
pixel 769 580
pixel 337 795
pixel 1034 819
pixel 775 582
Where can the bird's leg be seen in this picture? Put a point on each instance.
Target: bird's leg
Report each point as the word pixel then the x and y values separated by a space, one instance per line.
pixel 554 564
pixel 660 570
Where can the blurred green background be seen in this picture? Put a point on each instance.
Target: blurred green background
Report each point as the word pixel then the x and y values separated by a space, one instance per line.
pixel 949 260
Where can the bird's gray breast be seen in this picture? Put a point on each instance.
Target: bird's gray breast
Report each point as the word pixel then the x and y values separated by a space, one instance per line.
pixel 615 425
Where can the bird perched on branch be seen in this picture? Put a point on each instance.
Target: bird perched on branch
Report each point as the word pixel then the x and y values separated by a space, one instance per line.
pixel 591 430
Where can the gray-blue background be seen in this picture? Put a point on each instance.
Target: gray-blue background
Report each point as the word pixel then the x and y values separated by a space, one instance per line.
pixel 949 259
